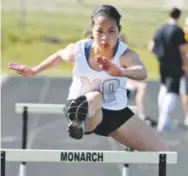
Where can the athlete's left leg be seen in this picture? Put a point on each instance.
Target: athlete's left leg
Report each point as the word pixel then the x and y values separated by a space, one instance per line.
pixel 84 113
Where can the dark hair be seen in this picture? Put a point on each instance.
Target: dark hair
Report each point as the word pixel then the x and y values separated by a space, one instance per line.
pixel 108 11
pixel 175 13
pixel 88 33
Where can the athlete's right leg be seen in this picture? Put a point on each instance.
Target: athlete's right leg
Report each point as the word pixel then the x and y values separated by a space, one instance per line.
pixel 136 134
pixel 84 114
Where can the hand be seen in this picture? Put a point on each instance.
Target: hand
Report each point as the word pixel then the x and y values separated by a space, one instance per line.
pixel 21 69
pixel 111 68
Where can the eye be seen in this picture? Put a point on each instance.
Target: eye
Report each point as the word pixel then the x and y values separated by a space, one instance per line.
pixel 99 30
pixel 112 31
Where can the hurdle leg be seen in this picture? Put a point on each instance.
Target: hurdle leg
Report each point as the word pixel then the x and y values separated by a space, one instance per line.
pixel 125 170
pixel 3 163
pixel 162 165
pixel 22 168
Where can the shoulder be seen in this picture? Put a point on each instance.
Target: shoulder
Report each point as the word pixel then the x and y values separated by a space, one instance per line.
pixel 179 29
pixel 162 27
pixel 159 31
pixel 130 57
pixel 129 53
pixel 72 47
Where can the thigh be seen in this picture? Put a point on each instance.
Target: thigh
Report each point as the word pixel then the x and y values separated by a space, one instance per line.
pixel 93 122
pixel 94 99
pixel 137 135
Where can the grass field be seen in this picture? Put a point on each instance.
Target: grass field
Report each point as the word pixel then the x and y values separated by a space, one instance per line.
pixel 31 42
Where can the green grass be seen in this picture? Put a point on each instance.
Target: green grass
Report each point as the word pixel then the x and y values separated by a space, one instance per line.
pixel 27 45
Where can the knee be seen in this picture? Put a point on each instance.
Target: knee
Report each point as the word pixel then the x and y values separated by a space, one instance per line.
pixel 165 147
pixel 94 95
pixel 162 147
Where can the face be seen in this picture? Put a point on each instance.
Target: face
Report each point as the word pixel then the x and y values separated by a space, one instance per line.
pixel 105 32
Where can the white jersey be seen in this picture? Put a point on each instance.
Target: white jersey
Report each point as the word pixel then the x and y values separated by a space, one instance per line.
pixel 85 79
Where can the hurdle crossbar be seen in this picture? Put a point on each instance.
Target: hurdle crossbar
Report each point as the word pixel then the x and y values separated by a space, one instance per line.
pixel 44 108
pixel 39 108
pixel 87 156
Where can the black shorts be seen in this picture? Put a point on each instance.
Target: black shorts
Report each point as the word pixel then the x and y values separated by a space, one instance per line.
pixel 171 79
pixel 111 120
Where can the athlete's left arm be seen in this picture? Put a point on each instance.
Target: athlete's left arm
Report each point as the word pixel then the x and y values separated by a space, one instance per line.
pixel 133 67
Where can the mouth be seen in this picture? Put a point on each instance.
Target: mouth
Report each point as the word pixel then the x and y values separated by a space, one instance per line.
pixel 104 44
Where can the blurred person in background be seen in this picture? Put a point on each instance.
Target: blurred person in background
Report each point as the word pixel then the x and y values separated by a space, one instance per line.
pixel 135 89
pixel 184 85
pixel 168 44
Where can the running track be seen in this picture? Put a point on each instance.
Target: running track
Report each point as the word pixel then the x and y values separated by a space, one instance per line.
pixel 49 132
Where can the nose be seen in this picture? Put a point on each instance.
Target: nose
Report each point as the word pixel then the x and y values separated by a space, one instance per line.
pixel 105 37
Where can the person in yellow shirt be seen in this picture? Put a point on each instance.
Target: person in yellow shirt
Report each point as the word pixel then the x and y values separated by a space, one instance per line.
pixel 184 86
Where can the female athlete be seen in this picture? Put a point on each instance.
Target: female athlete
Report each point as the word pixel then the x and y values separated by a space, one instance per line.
pixel 97 100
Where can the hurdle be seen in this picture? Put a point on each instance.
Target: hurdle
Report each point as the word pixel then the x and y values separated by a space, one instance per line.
pixel 28 108
pixel 88 156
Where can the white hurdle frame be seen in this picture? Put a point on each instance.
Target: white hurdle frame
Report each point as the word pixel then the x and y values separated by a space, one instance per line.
pixel 82 156
pixel 29 108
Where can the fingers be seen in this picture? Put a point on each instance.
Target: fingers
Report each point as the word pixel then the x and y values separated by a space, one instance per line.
pixel 103 62
pixel 15 66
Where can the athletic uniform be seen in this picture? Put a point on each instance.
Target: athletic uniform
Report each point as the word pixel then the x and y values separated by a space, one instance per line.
pixel 113 89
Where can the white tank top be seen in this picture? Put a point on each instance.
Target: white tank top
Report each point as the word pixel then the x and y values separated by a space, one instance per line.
pixel 85 79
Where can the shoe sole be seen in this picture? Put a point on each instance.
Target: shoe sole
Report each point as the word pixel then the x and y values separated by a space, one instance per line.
pixel 77 113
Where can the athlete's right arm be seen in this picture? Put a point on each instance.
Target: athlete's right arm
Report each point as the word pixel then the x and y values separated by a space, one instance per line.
pixel 67 54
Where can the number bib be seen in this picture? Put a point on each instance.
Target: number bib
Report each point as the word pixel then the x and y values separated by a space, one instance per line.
pixel 107 88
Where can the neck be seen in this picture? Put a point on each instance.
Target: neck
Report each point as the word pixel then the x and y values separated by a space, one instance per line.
pixel 172 21
pixel 106 52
